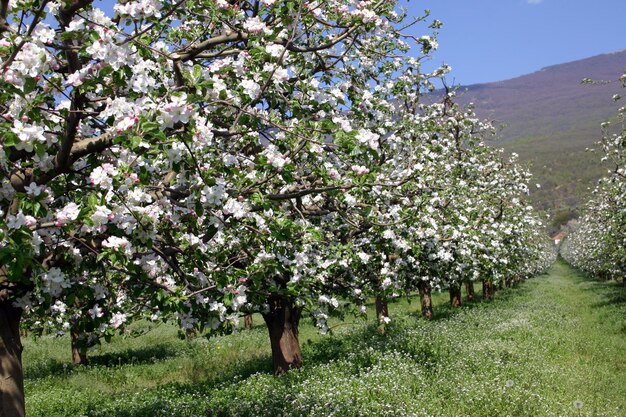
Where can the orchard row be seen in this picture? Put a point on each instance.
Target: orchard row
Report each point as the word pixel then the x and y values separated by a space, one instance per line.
pixel 598 246
pixel 198 161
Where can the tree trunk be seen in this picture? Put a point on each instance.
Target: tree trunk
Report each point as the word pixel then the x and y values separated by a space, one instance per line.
pixel 487 290
pixel 282 323
pixel 382 309
pixel 469 288
pixel 382 313
pixel 426 300
pixel 11 376
pixel 455 295
pixel 79 348
pixel 247 321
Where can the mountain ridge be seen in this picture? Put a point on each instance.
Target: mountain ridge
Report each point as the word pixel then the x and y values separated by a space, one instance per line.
pixel 549 117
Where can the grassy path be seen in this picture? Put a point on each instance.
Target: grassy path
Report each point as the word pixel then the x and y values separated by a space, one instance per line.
pixel 579 340
pixel 553 346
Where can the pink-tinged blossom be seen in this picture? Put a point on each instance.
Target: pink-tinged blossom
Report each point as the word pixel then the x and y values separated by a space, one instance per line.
pixel 44 33
pixel 28 135
pixel 19 220
pixel 214 195
pixel 118 244
pixel 98 17
pixel 107 50
pixel 344 123
pixel 68 214
pixel 251 88
pixel 367 15
pixel 78 23
pixel 102 215
pixel 55 281
pixel 117 320
pixel 256 25
pixel 274 157
pixel 177 110
pixel 187 321
pixel 236 208
pixel 240 298
pixel 368 137
pixel 360 169
pixel 120 107
pixel 13 77
pixel 218 84
pixel 314 7
pixel 95 312
pixel 281 74
pixel 53 7
pixel 126 123
pixel 31 61
pixel 36 241
pixel 276 50
pixel 75 79
pixel 102 176
pixel 140 8
pixel 151 265
pixel 141 81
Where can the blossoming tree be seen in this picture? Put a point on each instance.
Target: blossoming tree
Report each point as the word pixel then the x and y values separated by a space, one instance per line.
pixel 164 158
pixel 598 246
pixel 201 160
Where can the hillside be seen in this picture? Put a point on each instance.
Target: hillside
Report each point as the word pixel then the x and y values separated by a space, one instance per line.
pixel 549 118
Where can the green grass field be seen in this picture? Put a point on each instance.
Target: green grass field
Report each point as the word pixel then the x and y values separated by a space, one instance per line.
pixel 553 346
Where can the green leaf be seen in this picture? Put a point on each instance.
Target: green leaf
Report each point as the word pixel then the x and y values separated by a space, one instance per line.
pixel 92 201
pixel 210 232
pixel 10 138
pixel 30 85
pixel 150 126
pixel 197 72
pixel 135 141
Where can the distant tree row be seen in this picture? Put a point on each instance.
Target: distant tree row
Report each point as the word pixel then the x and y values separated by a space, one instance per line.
pixel 598 246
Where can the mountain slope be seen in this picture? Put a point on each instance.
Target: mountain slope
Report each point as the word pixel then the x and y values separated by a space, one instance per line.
pixel 549 118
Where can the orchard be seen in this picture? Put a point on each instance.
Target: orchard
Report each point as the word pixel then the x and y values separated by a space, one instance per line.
pixel 197 161
pixel 598 246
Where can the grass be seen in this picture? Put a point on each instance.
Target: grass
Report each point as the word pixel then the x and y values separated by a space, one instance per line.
pixel 553 343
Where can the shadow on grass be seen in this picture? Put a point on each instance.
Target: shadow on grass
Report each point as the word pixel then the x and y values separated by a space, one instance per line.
pixel 157 401
pixel 610 294
pixel 502 295
pixel 362 347
pixel 138 356
pixel 149 354
pixel 45 369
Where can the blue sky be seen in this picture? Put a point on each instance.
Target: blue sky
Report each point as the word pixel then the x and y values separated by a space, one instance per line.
pixel 491 40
